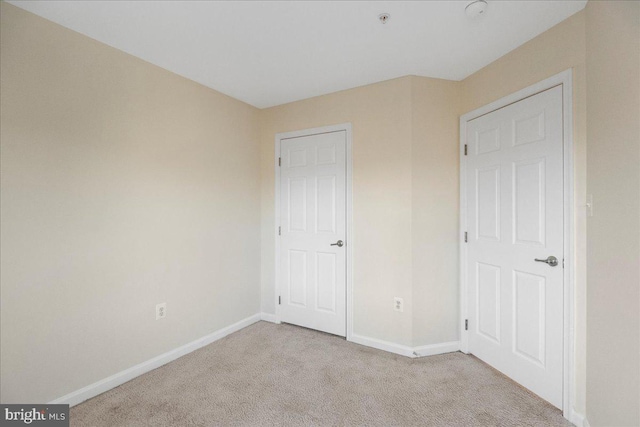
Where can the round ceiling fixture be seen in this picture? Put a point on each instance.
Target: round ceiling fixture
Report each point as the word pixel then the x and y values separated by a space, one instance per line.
pixel 384 17
pixel 476 8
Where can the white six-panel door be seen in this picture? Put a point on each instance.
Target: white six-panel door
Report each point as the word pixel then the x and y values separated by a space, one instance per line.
pixel 514 186
pixel 313 221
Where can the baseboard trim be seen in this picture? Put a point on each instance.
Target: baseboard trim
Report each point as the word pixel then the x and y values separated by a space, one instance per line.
pixel 122 377
pixel 404 350
pixel 268 317
pixel 433 349
pixel 578 419
pixel 400 349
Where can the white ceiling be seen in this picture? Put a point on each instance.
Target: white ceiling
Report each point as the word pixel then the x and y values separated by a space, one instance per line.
pixel 271 53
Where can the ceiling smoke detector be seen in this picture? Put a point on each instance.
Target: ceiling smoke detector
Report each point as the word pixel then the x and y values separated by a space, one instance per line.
pixel 476 9
pixel 384 17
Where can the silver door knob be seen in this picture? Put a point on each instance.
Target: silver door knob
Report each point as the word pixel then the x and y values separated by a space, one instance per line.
pixel 339 243
pixel 552 261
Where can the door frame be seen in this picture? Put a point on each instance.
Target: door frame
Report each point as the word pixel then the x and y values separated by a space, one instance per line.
pixel 346 127
pixel 564 79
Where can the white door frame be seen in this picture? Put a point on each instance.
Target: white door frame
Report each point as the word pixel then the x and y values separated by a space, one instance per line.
pixel 349 214
pixel 565 79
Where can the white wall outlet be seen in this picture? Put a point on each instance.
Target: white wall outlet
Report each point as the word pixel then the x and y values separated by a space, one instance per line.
pixel 398 304
pixel 161 311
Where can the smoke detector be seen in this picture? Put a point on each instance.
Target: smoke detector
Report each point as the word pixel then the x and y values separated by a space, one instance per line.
pixel 476 8
pixel 384 17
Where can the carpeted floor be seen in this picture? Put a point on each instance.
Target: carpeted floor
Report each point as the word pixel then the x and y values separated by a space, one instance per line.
pixel 270 374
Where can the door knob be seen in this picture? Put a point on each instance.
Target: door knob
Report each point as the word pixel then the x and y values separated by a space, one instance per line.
pixel 552 261
pixel 339 243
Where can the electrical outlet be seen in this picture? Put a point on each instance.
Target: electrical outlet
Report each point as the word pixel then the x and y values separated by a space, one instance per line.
pixel 161 311
pixel 398 304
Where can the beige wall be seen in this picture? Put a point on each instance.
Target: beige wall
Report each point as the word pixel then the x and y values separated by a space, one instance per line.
pixel 558 49
pixel 613 178
pixel 405 203
pixel 123 186
pixel 381 119
pixel 435 158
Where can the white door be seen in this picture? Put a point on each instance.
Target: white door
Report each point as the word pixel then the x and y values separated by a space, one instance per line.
pixel 514 218
pixel 313 232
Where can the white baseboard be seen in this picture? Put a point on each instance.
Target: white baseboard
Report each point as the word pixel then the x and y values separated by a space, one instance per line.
pixel 122 377
pixel 404 350
pixel 577 418
pixel 400 349
pixel 433 349
pixel 268 317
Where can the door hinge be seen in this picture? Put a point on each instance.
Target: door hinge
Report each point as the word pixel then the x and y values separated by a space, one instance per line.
pixel 466 324
pixel 279 300
pixel 465 149
pixel 279 231
pixel 466 237
pixel 279 161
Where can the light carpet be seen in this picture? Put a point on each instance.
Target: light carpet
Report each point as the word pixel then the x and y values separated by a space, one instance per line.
pixel 269 374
